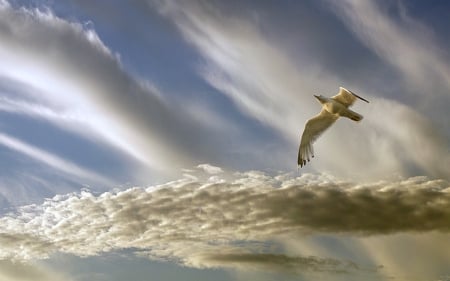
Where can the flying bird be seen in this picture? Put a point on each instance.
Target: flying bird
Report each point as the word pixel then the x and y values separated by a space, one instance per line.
pixel 332 109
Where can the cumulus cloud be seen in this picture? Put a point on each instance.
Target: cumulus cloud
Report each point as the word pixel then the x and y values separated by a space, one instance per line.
pixel 210 169
pixel 227 223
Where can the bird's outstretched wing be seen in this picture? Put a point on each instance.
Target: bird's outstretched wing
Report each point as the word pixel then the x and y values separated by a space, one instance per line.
pixel 313 129
pixel 347 97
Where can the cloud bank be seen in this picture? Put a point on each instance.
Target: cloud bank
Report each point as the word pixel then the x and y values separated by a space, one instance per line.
pixel 227 220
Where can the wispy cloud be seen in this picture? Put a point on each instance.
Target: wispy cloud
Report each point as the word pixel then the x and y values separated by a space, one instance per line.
pixel 17 271
pixel 262 79
pixel 51 159
pixel 244 65
pixel 278 262
pixel 75 72
pixel 404 43
pixel 212 218
pixel 210 223
pixel 51 87
pixel 256 73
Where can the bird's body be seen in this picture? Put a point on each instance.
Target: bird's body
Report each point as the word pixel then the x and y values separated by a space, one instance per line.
pixel 332 108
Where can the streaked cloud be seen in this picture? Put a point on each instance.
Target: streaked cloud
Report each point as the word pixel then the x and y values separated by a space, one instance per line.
pixel 25 100
pixel 402 41
pixel 408 45
pixel 255 72
pixel 17 271
pixel 279 262
pixel 51 160
pixel 230 222
pixel 60 72
pixel 234 64
pixel 76 73
pixel 259 76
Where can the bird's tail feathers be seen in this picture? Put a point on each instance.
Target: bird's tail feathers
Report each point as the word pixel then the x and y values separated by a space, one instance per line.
pixel 353 115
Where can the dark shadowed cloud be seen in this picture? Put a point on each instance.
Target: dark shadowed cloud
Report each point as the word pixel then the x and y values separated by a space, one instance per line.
pixel 279 262
pixel 199 219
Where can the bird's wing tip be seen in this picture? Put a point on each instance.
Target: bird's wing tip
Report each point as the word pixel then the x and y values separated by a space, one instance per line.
pixel 359 97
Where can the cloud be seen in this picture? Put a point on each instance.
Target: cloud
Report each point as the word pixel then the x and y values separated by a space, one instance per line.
pixel 17 271
pixel 50 159
pixel 406 44
pixel 277 262
pixel 401 256
pixel 258 74
pixel 40 79
pixel 41 51
pixel 25 100
pixel 275 87
pixel 397 254
pixel 229 222
pixel 22 246
pixel 210 169
pixel 392 139
pixel 234 64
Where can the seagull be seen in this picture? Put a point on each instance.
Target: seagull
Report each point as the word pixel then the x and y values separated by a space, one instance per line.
pixel 332 109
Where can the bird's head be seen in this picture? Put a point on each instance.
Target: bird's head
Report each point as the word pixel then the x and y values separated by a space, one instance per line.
pixel 321 98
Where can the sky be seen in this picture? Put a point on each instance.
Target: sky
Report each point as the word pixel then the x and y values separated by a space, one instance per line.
pixel 158 140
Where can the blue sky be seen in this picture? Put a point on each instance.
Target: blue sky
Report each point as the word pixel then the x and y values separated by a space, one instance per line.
pixel 158 139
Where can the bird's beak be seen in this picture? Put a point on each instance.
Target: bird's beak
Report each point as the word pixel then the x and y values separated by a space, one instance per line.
pixel 319 98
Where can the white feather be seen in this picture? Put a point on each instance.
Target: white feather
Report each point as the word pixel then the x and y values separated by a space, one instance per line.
pixel 332 109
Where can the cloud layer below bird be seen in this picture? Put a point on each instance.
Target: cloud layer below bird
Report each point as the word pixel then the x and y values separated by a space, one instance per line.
pixel 221 219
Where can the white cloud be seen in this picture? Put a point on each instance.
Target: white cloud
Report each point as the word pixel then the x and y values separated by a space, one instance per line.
pixel 255 72
pixel 204 224
pixel 75 73
pixel 57 74
pixel 266 84
pixel 50 159
pixel 210 169
pixel 392 140
pixel 407 45
pixel 77 120
pixel 245 66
